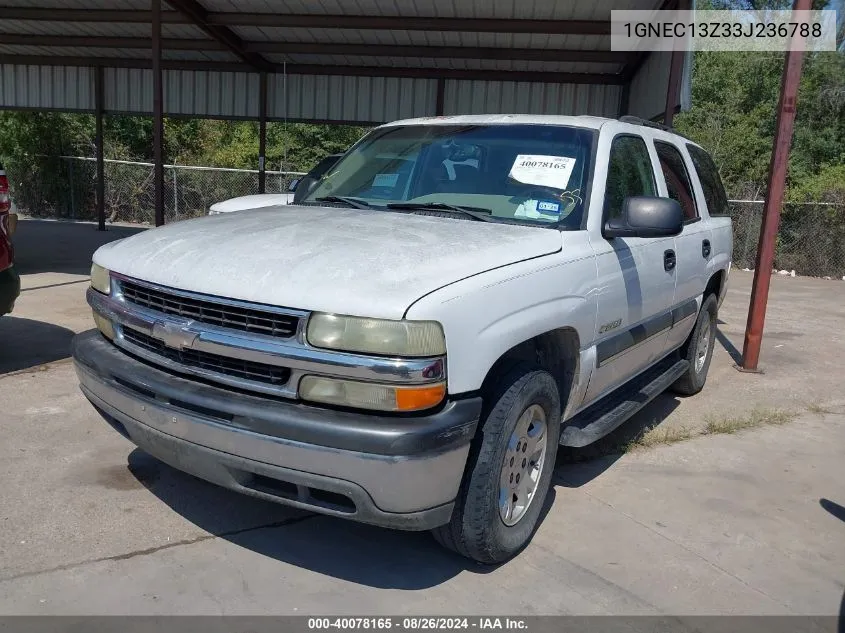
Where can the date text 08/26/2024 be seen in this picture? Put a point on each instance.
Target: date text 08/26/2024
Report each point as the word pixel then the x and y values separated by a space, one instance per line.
pixel 417 623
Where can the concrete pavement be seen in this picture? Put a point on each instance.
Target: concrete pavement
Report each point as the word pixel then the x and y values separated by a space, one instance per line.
pixel 751 523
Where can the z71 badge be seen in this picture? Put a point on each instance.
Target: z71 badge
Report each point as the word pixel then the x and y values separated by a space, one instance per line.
pixel 610 326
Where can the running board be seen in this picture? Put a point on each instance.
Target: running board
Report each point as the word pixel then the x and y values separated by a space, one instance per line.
pixel 599 419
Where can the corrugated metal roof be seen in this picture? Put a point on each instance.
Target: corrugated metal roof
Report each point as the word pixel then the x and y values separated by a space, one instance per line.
pixel 128 90
pixel 296 97
pixel 211 93
pixel 95 29
pixel 223 93
pixel 520 9
pixel 336 98
pixel 504 10
pixel 455 64
pixel 98 29
pixel 57 87
pixel 510 97
pixel 423 38
pixel 85 4
pixel 123 53
pixel 643 100
pixel 646 102
pixel 201 93
pixel 211 56
pixel 75 51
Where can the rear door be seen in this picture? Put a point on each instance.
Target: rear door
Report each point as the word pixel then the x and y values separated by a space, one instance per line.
pixel 693 246
pixel 635 283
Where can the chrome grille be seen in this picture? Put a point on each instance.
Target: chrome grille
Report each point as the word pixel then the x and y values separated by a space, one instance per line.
pixel 247 370
pixel 233 317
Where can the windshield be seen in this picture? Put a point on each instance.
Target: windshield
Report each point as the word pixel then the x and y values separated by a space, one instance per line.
pixel 535 174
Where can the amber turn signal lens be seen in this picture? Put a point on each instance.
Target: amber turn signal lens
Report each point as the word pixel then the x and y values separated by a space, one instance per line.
pixel 368 395
pixel 416 398
pixel 104 325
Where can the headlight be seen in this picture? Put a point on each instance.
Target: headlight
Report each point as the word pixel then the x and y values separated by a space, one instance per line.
pixel 376 336
pixel 100 280
pixel 365 395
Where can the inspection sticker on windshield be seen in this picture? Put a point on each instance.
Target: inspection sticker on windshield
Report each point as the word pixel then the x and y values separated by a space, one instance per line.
pixel 544 171
pixel 385 180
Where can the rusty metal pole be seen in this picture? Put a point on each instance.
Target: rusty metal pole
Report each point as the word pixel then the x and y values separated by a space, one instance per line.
pixel 676 71
pixel 774 199
pixel 673 89
pixel 262 132
pixel 99 106
pixel 158 122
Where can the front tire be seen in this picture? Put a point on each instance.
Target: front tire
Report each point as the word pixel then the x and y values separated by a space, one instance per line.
pixel 509 469
pixel 698 350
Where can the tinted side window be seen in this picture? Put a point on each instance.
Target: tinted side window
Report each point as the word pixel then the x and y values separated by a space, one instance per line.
pixel 324 165
pixel 629 173
pixel 714 192
pixel 677 179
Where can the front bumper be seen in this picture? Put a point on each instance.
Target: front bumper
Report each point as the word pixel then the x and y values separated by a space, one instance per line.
pixel 10 288
pixel 401 472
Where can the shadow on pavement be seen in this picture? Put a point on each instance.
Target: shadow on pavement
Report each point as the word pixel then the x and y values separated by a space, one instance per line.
pixel 26 343
pixel 841 627
pixel 350 551
pixel 729 347
pixel 834 508
pixel 61 247
pixel 363 554
pixel 578 466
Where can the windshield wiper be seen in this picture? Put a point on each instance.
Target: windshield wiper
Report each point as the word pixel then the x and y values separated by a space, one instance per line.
pixel 347 200
pixel 476 213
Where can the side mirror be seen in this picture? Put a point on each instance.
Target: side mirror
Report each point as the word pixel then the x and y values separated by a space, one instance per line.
pixel 646 216
pixel 293 184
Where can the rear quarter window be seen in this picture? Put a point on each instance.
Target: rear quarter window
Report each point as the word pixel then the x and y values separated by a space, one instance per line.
pixel 714 192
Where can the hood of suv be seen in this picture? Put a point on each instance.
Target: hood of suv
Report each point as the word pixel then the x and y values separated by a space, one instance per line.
pixel 348 261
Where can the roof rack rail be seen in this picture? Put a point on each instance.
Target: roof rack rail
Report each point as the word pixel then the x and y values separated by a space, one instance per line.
pixel 635 120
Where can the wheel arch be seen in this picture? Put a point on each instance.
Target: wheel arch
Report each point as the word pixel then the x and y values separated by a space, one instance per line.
pixel 556 351
pixel 715 284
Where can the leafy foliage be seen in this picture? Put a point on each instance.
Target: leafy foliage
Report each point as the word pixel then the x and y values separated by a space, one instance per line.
pixel 734 99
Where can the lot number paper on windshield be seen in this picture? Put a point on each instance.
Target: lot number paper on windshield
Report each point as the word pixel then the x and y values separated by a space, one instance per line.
pixel 544 171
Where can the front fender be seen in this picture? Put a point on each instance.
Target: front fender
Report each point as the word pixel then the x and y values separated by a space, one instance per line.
pixel 486 315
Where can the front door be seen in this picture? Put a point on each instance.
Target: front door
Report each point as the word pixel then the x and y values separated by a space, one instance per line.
pixel 636 279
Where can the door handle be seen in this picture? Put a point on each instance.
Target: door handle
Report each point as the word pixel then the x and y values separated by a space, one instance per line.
pixel 669 259
pixel 705 249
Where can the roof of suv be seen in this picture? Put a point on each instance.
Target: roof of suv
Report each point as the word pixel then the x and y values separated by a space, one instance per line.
pixel 583 121
pixel 504 119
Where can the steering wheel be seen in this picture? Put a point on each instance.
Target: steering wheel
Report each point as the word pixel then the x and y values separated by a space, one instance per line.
pixel 543 193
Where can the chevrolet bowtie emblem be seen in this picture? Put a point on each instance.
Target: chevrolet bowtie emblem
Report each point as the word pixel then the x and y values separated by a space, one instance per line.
pixel 174 335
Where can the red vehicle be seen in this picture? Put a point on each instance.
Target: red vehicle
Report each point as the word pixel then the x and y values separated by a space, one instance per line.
pixel 10 283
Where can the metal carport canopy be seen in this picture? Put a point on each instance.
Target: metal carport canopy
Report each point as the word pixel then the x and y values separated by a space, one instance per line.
pixel 361 61
pixel 344 61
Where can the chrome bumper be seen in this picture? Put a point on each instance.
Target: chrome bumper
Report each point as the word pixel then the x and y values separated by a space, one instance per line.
pixel 395 471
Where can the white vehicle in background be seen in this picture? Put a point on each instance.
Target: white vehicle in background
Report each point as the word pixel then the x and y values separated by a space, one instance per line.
pixel 409 345
pixel 297 190
pixel 257 201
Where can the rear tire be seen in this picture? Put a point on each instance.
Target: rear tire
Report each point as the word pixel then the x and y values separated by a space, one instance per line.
pixel 509 469
pixel 698 350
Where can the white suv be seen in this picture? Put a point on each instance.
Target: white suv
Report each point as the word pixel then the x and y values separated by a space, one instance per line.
pixel 408 347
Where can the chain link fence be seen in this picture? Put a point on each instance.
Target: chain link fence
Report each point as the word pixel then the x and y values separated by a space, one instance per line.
pixel 811 239
pixel 65 187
